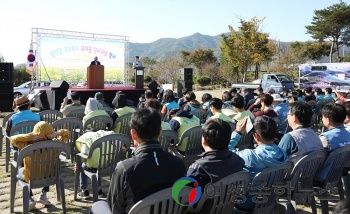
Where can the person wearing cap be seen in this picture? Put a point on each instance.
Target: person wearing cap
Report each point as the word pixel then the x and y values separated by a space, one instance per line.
pixel 137 62
pixel 282 111
pixel 101 98
pixel 76 104
pixel 95 62
pixel 22 104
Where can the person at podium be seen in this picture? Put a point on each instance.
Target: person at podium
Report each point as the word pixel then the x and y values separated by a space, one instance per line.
pixel 95 62
pixel 137 62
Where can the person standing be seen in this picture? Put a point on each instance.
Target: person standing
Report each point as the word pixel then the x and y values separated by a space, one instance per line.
pixel 137 62
pixel 95 62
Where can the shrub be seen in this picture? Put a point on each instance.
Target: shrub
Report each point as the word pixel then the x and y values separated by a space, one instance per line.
pixel 132 79
pixel 203 81
pixel 147 79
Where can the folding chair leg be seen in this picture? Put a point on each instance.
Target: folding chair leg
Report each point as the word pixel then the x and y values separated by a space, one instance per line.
pixel 340 189
pixel 58 192
pixel 63 196
pixel 324 204
pixel 12 191
pixel 7 158
pixel 313 205
pixel 25 190
pixel 76 184
pixel 345 180
pixel 94 187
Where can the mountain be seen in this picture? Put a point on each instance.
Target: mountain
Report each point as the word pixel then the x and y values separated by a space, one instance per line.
pixel 162 48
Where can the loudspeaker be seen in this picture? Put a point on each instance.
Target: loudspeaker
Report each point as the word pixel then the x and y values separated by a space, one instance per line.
pixel 186 74
pixel 6 71
pixel 6 87
pixel 59 85
pixel 153 87
pixel 6 96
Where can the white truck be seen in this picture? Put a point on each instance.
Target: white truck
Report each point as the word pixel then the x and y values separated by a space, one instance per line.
pixel 279 82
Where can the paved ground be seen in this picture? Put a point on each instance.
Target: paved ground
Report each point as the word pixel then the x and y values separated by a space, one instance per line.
pixel 80 206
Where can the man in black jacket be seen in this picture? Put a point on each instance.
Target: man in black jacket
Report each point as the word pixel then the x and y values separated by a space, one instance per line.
pixel 217 161
pixel 150 169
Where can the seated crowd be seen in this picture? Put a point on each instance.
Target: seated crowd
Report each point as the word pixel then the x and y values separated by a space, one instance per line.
pixel 281 131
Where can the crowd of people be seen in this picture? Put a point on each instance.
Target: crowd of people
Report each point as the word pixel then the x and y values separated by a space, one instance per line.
pixel 281 131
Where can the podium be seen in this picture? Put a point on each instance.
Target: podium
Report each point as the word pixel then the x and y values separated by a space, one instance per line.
pixel 95 77
pixel 139 73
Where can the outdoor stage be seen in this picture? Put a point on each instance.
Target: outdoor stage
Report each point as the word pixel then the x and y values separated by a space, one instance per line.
pixel 51 99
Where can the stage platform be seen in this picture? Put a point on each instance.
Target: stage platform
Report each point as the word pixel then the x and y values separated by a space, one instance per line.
pixel 52 99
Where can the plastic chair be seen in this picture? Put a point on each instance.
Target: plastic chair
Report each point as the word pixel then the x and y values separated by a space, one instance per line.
pixel 264 183
pixel 110 148
pixel 3 129
pixel 232 125
pixel 45 171
pixel 122 124
pixel 193 139
pixel 21 128
pixel 336 160
pixel 78 113
pixel 200 113
pixel 75 126
pixel 50 116
pixel 246 141
pixel 98 123
pixel 162 202
pixel 231 187
pixel 303 174
pixel 168 137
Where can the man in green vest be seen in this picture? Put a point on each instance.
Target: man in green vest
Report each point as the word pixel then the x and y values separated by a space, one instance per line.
pixel 182 120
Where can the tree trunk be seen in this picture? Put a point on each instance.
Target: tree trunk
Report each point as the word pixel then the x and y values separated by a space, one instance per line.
pixel 330 53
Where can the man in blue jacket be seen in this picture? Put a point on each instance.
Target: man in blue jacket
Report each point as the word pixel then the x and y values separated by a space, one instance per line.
pixel 266 154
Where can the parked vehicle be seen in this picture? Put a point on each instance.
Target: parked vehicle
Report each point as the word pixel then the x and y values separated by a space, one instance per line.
pixel 25 87
pixel 278 82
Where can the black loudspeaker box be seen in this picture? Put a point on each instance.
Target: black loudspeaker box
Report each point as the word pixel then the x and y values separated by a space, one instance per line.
pixel 59 85
pixel 153 87
pixel 186 74
pixel 6 71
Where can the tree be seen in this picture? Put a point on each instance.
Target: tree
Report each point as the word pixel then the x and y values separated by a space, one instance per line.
pixel 167 71
pixel 20 75
pixel 199 58
pixel 310 50
pixel 212 71
pixel 332 23
pixel 246 47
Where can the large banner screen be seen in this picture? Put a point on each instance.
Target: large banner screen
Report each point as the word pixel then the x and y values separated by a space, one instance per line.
pixel 68 59
pixel 324 75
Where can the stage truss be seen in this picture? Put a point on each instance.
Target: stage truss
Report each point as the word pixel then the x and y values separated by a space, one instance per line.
pixel 38 33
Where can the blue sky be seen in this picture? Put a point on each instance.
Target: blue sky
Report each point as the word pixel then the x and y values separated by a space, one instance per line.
pixel 146 21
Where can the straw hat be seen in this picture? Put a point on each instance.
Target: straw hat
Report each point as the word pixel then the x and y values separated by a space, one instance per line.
pixel 20 101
